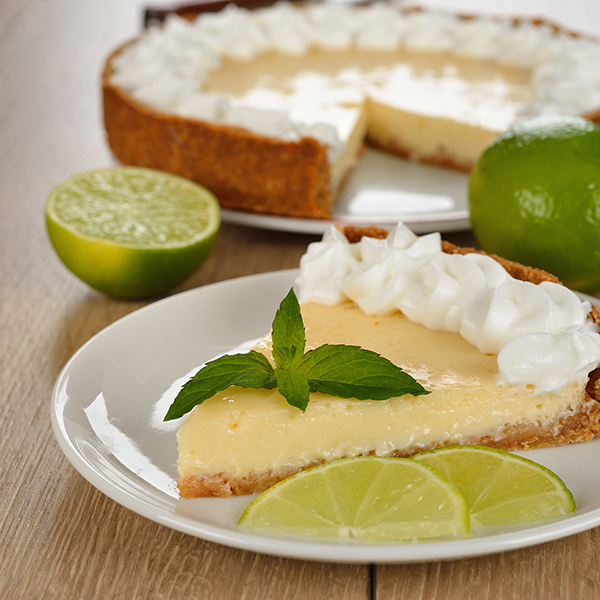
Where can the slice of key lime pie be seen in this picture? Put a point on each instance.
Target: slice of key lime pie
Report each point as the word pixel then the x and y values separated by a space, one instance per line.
pixel 502 355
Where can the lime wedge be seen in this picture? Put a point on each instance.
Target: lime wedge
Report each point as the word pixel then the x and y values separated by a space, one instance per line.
pixel 374 499
pixel 501 488
pixel 132 232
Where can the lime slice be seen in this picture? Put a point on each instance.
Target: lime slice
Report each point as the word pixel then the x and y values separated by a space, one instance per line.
pixel 501 488
pixel 374 499
pixel 132 232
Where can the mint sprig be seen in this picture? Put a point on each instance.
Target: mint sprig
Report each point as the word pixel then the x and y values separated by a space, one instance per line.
pixel 337 370
pixel 250 370
pixel 289 339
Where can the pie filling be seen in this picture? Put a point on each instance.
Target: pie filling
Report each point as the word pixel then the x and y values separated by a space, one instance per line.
pixel 423 104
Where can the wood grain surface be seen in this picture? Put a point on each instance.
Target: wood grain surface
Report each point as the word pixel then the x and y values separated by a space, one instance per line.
pixel 60 538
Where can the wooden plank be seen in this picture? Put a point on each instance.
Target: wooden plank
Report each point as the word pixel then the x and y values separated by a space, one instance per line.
pixel 59 536
pixel 76 542
pixel 567 568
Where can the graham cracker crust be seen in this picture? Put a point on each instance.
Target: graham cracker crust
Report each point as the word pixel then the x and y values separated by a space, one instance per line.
pixel 243 170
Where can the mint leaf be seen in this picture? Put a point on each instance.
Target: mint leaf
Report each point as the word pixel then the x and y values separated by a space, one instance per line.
pixel 250 370
pixel 352 372
pixel 294 387
pixel 342 371
pixel 288 335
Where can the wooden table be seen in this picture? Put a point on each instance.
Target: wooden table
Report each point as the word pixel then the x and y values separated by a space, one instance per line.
pixel 60 537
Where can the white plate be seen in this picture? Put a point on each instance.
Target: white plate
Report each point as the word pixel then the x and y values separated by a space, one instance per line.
pixel 109 401
pixel 381 191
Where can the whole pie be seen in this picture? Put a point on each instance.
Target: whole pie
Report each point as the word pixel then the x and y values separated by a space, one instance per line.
pixel 270 109
pixel 510 358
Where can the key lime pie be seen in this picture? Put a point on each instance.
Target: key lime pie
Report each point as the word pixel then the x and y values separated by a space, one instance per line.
pixel 509 358
pixel 270 109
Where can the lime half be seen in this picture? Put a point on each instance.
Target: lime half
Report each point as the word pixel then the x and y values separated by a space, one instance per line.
pixel 501 488
pixel 374 499
pixel 132 232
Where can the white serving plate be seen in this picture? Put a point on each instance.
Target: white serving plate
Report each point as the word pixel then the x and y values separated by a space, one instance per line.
pixel 110 399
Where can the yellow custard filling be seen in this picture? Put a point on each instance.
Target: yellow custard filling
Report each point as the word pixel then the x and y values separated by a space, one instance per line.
pixel 246 431
pixel 423 103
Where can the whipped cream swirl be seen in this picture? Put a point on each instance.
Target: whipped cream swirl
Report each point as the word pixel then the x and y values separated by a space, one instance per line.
pixel 168 65
pixel 541 333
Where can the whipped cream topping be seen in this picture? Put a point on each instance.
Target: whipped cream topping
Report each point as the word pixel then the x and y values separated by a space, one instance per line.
pixel 541 334
pixel 167 66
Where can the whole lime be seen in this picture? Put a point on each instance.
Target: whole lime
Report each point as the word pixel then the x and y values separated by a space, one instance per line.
pixel 130 232
pixel 535 198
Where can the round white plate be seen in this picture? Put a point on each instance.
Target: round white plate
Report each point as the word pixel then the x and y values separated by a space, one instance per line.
pixel 110 399
pixel 383 190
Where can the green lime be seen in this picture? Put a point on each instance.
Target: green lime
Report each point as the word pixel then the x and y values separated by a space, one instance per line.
pixel 132 232
pixel 374 499
pixel 501 488
pixel 535 198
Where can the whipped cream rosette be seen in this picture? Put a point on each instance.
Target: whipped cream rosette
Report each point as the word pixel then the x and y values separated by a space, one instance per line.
pixel 541 334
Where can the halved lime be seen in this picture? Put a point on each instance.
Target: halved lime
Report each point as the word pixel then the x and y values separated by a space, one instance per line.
pixel 374 499
pixel 131 232
pixel 501 488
